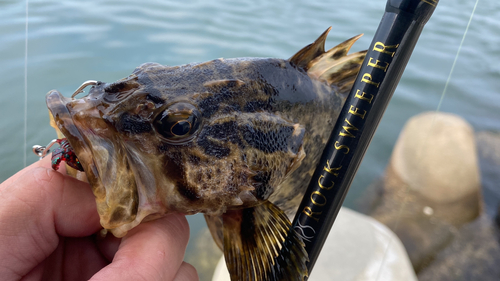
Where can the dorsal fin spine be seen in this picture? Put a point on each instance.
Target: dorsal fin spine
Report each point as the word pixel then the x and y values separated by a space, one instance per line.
pixel 302 58
pixel 334 67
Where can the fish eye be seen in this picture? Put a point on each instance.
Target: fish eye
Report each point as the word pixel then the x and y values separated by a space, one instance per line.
pixel 178 123
pixel 180 128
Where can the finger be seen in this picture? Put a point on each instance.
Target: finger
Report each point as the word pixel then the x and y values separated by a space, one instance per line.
pixel 152 251
pixel 49 196
pixel 186 272
pixel 37 205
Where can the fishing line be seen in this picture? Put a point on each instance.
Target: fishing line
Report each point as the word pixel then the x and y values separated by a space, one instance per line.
pixel 456 58
pixel 422 145
pixel 25 147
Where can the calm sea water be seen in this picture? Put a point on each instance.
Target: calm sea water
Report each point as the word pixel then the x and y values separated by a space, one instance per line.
pixel 73 41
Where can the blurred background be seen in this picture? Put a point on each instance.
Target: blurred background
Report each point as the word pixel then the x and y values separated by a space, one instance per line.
pixel 73 41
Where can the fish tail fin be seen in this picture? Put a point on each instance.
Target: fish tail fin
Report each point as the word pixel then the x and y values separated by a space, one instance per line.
pixel 334 66
pixel 260 244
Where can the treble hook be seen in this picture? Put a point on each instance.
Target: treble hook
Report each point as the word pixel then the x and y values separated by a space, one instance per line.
pixel 83 86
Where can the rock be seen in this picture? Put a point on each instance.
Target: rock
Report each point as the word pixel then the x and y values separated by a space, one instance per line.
pixel 431 186
pixel 436 156
pixel 358 249
pixel 488 148
pixel 473 255
pixel 497 218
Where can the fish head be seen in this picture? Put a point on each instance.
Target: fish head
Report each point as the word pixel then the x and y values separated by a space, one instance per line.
pixel 189 139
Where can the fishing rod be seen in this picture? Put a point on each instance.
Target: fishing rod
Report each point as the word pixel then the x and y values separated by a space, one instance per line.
pixel 373 88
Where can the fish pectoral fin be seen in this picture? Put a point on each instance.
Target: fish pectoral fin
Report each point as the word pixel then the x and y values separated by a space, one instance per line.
pixel 260 244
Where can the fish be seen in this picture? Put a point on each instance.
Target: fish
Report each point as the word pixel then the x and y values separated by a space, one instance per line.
pixel 235 139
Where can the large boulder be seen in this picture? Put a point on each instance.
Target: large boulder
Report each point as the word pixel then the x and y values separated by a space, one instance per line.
pixel 432 185
pixel 435 156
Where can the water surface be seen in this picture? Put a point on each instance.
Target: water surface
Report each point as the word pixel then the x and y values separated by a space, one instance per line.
pixel 73 41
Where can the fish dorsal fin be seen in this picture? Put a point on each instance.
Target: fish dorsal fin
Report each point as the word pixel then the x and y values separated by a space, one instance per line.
pixel 303 57
pixel 335 66
pixel 256 246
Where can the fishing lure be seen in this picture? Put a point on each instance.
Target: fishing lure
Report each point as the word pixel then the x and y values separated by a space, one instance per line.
pixel 63 153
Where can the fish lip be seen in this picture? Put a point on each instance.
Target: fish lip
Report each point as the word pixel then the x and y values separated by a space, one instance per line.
pixel 63 118
pixel 56 103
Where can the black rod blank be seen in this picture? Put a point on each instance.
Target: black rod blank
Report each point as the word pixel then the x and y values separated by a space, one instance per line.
pixel 373 88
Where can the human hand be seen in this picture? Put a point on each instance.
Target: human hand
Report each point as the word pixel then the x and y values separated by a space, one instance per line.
pixel 48 226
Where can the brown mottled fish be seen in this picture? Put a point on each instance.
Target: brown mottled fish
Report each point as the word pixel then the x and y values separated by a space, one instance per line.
pixel 235 139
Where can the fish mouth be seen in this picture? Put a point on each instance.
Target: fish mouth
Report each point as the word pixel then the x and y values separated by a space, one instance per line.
pixel 120 176
pixel 64 123
pixel 100 154
pixel 82 140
